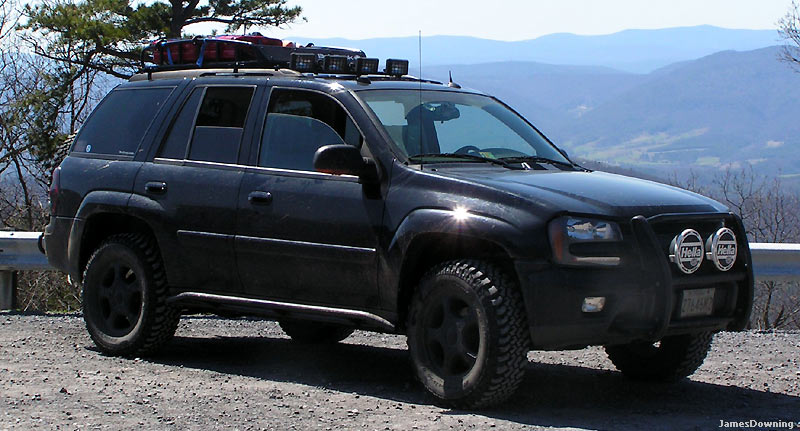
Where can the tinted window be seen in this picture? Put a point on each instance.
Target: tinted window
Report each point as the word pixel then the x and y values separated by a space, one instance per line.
pixel 225 107
pixel 290 141
pixel 119 123
pixel 175 145
pixel 298 123
pixel 220 122
pixel 426 123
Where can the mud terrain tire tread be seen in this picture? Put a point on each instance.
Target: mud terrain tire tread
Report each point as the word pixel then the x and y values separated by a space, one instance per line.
pixel 504 367
pixel 677 357
pixel 159 321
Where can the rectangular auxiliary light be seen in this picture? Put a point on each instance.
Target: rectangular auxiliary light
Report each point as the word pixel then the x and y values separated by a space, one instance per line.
pixel 335 64
pixel 304 62
pixel 366 66
pixel 396 67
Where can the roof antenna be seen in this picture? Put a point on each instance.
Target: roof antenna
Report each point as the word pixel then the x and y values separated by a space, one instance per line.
pixel 420 57
pixel 451 83
pixel 420 96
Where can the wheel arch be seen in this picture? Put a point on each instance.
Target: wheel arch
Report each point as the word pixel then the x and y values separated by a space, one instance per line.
pixel 428 237
pixel 101 225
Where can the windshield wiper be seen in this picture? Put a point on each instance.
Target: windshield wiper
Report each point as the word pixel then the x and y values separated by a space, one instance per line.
pixel 535 159
pixel 463 157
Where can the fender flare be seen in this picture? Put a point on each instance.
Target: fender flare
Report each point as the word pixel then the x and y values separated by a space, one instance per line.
pixel 449 222
pixel 95 202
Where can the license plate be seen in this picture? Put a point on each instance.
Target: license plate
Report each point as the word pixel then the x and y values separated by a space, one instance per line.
pixel 697 302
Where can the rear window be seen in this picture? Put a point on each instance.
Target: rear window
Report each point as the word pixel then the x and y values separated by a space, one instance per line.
pixel 117 126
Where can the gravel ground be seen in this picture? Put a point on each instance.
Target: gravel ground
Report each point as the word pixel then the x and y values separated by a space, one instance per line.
pixel 246 374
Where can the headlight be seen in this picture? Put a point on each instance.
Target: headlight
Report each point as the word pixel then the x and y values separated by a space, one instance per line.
pixel 585 241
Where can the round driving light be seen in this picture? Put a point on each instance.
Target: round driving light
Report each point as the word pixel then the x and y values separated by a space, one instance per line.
pixel 686 251
pixel 722 249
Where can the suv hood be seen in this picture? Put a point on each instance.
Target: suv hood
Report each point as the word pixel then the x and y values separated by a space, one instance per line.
pixel 590 192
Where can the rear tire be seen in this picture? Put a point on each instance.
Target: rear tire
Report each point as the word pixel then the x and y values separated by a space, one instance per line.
pixel 124 297
pixel 315 332
pixel 674 358
pixel 467 334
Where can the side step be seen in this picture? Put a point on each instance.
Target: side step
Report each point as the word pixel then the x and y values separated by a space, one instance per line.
pixel 278 310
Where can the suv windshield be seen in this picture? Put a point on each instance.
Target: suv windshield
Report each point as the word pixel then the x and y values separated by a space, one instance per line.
pixel 427 124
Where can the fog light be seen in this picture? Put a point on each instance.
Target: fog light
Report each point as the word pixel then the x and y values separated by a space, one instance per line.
pixel 593 304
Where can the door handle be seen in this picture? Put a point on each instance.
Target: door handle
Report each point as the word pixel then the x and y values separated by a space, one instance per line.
pixel 156 187
pixel 259 197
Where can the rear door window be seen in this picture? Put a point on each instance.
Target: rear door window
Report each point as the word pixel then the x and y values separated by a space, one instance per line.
pixel 209 125
pixel 220 124
pixel 117 126
pixel 174 146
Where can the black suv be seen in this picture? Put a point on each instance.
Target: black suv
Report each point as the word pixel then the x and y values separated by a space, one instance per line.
pixel 362 200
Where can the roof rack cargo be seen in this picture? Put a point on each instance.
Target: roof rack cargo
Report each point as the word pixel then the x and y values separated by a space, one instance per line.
pixel 257 51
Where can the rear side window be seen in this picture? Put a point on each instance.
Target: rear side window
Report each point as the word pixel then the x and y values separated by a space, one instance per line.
pixel 119 123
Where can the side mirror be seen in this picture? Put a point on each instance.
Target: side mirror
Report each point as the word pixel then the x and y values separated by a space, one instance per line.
pixel 340 159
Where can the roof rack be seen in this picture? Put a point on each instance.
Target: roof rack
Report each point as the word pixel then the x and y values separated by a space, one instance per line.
pixel 255 51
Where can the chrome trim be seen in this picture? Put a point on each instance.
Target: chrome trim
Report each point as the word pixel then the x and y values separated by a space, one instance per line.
pixel 195 233
pixel 689 238
pixel 305 243
pixel 295 172
pixel 285 306
pixel 198 163
pixel 722 262
pixel 246 168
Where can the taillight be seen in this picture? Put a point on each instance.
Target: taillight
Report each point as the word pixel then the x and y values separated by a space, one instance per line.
pixel 54 186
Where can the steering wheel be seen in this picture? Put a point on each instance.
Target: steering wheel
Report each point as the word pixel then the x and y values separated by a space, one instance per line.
pixel 467 149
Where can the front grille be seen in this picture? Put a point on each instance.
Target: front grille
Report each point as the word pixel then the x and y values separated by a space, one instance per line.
pixel 727 284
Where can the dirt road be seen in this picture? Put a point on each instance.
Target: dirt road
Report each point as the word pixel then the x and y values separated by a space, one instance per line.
pixel 245 374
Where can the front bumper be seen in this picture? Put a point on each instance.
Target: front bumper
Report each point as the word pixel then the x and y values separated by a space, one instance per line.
pixel 643 295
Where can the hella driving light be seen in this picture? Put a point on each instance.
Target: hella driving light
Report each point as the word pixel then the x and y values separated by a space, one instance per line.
pixel 396 67
pixel 304 62
pixel 366 66
pixel 585 241
pixel 335 64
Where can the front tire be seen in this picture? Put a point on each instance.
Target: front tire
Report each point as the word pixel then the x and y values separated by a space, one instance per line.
pixel 467 334
pixel 124 297
pixel 673 358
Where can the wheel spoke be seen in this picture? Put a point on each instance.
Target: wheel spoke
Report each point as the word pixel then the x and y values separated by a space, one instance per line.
pixel 131 317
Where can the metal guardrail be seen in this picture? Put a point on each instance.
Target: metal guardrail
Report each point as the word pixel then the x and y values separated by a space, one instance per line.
pixel 21 251
pixel 775 262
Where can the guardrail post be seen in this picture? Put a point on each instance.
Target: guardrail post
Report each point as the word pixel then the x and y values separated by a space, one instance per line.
pixel 8 290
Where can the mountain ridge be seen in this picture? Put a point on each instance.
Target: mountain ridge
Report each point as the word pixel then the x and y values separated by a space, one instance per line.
pixel 721 110
pixel 633 50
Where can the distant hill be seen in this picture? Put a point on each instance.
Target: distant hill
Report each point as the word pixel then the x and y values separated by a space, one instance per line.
pixel 639 51
pixel 722 109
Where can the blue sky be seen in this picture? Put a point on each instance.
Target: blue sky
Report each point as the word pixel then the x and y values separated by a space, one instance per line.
pixel 521 19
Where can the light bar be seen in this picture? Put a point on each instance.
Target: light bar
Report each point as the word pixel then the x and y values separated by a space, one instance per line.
pixel 304 62
pixel 366 66
pixel 396 67
pixel 335 64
